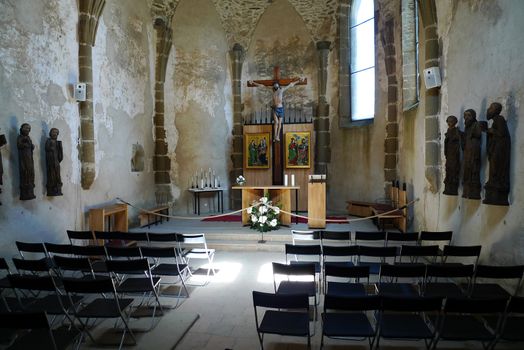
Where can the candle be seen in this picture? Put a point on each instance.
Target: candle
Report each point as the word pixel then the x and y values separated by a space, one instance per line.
pixel 285 179
pixel 293 180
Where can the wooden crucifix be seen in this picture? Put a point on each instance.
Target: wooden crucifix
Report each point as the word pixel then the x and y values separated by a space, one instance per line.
pixel 278 85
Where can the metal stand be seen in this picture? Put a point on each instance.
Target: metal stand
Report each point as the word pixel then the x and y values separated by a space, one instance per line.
pixel 262 240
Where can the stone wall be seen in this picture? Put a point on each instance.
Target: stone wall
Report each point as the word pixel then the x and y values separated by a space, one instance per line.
pixel 38 67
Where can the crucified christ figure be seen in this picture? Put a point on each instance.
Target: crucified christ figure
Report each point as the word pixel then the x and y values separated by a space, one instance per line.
pixel 277 107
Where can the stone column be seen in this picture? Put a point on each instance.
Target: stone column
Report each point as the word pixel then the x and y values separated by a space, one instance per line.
pixel 161 161
pixel 237 58
pixel 89 14
pixel 428 14
pixel 387 37
pixel 322 139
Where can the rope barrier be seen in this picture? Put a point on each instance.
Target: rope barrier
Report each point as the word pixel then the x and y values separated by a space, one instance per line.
pixel 257 204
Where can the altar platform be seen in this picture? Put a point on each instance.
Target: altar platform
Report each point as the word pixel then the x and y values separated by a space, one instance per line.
pixel 233 236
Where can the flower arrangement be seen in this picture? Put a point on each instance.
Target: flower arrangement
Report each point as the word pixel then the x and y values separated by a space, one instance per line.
pixel 263 215
pixel 241 180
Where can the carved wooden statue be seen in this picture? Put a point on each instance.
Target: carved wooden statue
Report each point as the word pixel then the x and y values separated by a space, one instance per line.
pixel 452 144
pixel 53 157
pixel 25 161
pixel 499 152
pixel 471 144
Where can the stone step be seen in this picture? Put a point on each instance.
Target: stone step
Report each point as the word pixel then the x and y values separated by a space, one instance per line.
pixel 250 237
pixel 243 245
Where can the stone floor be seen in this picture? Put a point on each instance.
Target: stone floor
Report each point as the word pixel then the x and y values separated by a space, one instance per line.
pixel 224 306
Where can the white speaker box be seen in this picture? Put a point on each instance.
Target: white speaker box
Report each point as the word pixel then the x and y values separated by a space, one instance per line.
pixel 432 77
pixel 80 91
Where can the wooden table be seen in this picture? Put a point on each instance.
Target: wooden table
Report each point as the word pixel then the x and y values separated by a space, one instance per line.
pixel 198 191
pixel 278 194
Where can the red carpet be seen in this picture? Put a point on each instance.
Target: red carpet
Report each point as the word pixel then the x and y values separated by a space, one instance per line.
pixel 238 218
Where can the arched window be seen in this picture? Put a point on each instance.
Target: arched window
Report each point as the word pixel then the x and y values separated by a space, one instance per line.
pixel 362 60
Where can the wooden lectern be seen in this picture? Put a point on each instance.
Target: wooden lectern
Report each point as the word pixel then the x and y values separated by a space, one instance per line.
pixel 316 204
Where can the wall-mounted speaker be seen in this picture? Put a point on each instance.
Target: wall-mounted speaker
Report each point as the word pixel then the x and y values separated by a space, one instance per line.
pixel 432 77
pixel 80 91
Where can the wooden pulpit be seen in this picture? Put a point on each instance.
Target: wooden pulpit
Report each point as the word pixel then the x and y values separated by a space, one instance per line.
pixel 316 204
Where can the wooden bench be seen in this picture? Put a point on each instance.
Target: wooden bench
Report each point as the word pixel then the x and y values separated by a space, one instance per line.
pixel 148 217
pixel 395 218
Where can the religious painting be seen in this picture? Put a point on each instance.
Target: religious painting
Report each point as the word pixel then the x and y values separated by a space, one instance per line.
pixel 298 152
pixel 257 150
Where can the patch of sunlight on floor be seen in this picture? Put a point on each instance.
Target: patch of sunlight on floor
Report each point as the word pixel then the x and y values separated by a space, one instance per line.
pixel 265 273
pixel 226 272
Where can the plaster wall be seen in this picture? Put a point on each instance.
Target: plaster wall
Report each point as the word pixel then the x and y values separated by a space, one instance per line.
pixel 481 46
pixel 38 67
pixel 198 96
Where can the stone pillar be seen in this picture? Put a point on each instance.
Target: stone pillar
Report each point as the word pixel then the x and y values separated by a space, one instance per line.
pixel 387 36
pixel 322 139
pixel 428 14
pixel 161 161
pixel 237 58
pixel 89 14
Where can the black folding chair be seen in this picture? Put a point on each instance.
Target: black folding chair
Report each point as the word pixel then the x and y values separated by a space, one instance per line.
pixel 164 238
pixel 80 237
pixel 461 252
pixel 38 332
pixel 426 254
pixel 344 281
pixel 33 251
pixel 96 253
pixel 339 255
pixel 346 318
pixel 305 237
pixel 285 314
pixel 512 326
pixel 406 318
pixel 166 261
pixel 298 279
pixel 399 238
pixel 304 254
pixel 123 252
pixel 384 255
pixel 436 236
pixel 335 238
pixel 107 307
pixel 372 236
pixel 58 249
pixel 400 280
pixel 460 320
pixel 480 288
pixel 34 267
pixel 434 286
pixel 75 267
pixel 146 285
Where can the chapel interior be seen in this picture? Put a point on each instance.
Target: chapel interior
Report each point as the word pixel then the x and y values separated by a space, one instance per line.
pixel 166 101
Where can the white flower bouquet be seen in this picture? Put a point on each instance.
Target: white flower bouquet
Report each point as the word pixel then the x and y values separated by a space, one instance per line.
pixel 263 215
pixel 241 180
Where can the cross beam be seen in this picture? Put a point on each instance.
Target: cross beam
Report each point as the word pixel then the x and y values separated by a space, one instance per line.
pixel 277 79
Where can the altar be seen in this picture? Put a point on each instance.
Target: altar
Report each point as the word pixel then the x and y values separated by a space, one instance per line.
pixel 280 195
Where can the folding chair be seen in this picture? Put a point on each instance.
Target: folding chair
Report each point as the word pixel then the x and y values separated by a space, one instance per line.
pixel 303 252
pixel 389 285
pixel 480 289
pixel 49 299
pixel 344 281
pixel 298 279
pixel 75 267
pixel 147 285
pixel 40 335
pixel 460 320
pixel 399 238
pixel 336 238
pixel 165 261
pixel 346 318
pixel 34 267
pixel 277 321
pixel 406 318
pixel 452 251
pixel 305 237
pixel 374 236
pixel 96 253
pixel 434 272
pixel 339 255
pixel 110 306
pixel 58 249
pixel 7 303
pixel 123 252
pixel 35 250
pixel 512 326
pixel 194 246
pixel 413 253
pixel 443 237
pixel 380 253
pixel 165 238
pixel 113 238
pixel 80 237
